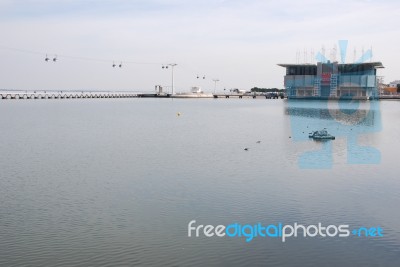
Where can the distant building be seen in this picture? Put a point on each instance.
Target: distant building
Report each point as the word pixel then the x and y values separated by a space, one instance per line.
pixel 391 88
pixel 394 83
pixel 331 80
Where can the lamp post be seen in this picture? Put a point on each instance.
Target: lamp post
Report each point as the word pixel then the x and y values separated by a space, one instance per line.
pixel 215 84
pixel 172 67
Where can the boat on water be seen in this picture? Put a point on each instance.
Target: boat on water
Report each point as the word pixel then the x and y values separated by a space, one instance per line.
pixel 321 135
pixel 195 92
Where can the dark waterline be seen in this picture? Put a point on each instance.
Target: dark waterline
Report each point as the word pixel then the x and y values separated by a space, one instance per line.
pixel 115 182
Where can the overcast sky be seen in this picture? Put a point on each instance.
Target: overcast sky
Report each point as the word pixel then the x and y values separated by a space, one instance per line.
pixel 237 42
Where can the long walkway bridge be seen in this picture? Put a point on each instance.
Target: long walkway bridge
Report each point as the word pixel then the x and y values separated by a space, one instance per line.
pixel 65 94
pixel 19 94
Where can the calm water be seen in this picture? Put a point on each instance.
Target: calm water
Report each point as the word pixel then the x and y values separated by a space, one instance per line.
pixel 115 182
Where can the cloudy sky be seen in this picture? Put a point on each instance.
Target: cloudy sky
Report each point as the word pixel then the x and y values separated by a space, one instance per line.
pixel 238 42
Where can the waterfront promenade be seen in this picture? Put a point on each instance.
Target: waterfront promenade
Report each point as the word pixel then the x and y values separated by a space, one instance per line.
pixel 19 94
pixel 65 94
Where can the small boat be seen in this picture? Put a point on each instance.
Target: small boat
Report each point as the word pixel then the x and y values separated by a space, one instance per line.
pixel 321 135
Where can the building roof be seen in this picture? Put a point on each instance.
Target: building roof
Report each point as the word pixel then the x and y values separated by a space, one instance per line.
pixel 373 64
pixel 297 65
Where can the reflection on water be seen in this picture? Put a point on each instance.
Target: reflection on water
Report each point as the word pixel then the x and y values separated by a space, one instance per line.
pixel 343 119
pixel 365 113
pixel 115 182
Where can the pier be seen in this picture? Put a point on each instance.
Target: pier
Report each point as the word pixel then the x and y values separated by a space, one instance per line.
pixel 18 94
pixel 126 94
pixel 268 96
pixel 64 94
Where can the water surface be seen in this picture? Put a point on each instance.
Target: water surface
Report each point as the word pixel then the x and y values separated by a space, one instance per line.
pixel 115 182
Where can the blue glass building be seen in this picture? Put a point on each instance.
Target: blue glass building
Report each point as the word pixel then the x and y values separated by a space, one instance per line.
pixel 331 80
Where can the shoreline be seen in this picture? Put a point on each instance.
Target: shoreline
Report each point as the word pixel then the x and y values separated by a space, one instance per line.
pixel 14 95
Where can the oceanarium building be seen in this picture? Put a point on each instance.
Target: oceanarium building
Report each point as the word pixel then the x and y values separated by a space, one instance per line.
pixel 331 80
